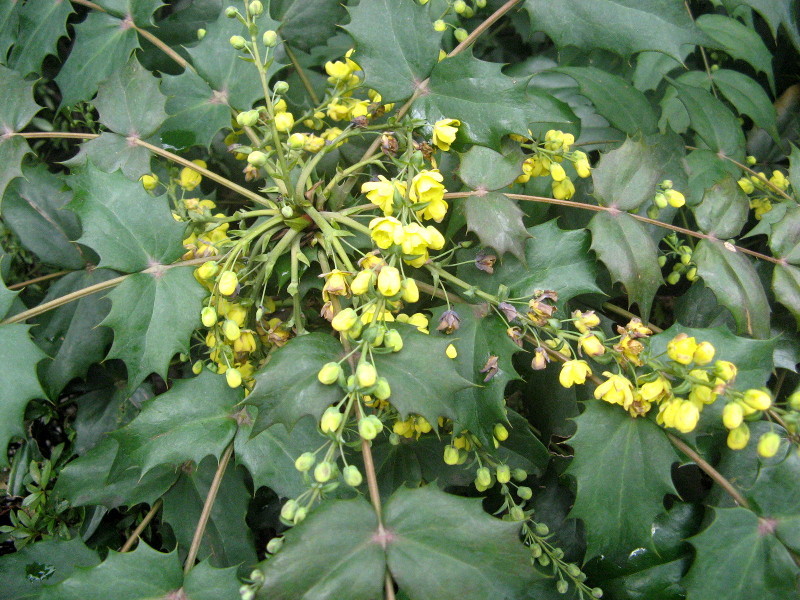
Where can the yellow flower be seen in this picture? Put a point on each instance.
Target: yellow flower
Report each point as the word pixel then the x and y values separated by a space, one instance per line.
pixel 725 370
pixel 563 190
pixel 361 282
pixel 245 343
pixel 768 443
pixel 386 231
pixel 615 390
pixel 746 185
pixel 284 121
pixel 426 187
pixel 656 391
pixel 344 319
pixel 335 284
pixel 678 413
pixel 757 399
pixel 149 182
pixel 381 193
pixel 574 371
pixel 591 345
pixel 389 281
pixel 233 378
pixel 313 143
pixel 435 238
pixel 418 320
pixel 338 70
pixel 682 348
pixel 338 111
pixel 190 178
pixel 582 166
pixel 584 321
pixel 410 291
pixel 557 172
pixel 674 198
pixel 738 438
pixel 228 282
pixel 732 415
pixel 444 133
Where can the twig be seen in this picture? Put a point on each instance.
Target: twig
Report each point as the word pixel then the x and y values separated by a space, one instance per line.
pixel 301 74
pixel 17 286
pixel 141 527
pixel 206 513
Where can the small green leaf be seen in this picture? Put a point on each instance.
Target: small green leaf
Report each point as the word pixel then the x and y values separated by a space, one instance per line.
pixel 706 169
pixel 735 283
pixel 103 44
pixel 713 122
pixel 423 380
pixel 130 230
pixel 486 170
pixel 139 575
pixel 638 25
pixel 497 221
pixel 400 53
pixel 228 540
pixel 16 111
pixel 334 553
pixel 625 107
pixel 41 25
pixel 555 260
pixel 622 467
pixel 630 255
pixel 626 177
pixel 476 555
pixel 748 97
pixel 740 42
pixel 739 558
pixel 270 455
pixel 24 573
pixel 784 240
pixel 786 287
pixel 153 316
pixel 468 89
pixel 752 357
pixel 307 23
pixel 192 420
pixel 33 209
pixel 724 209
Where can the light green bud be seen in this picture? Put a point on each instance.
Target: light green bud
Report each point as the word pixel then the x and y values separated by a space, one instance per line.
pixel 255 8
pixel 460 34
pixel 524 492
pixel 562 587
pixel 238 42
pixel 519 475
pixel 231 12
pixel 247 118
pixel 516 513
pixel 542 529
pixel 280 87
pixel 660 200
pixel 300 514
pixel 393 340
pixel 382 390
pixel 394 439
pixel 329 373
pixel 331 419
pixel 201 33
pixel 366 375
pixel 257 158
pixel 368 429
pixel 459 6
pixel 439 25
pixel 274 545
pixel 305 461
pixel 794 400
pixel 323 472
pixel 597 593
pixel 289 510
pixel 503 474
pixel 270 38
pixel 352 476
pixel 573 570
pixel 297 141
pixel 483 477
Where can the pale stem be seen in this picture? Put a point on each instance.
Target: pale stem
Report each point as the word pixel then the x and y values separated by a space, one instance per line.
pixel 141 527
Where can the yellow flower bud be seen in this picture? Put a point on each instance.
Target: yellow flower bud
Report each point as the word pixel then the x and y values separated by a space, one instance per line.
pixel 207 270
pixel 704 353
pixel 483 477
pixel 574 371
pixel 557 172
pixel 681 349
pixel 208 316
pixel 228 282
pixel 323 472
pixel 389 281
pixel 794 400
pixel 233 377
pixel 768 444
pixel 686 417
pixel 757 399
pixel 231 330
pixel 503 474
pixel 738 438
pixel 344 319
pixel 451 351
pixel 284 121
pixel 725 370
pixel 197 367
pixel 674 198
pixel 352 476
pixel 246 342
pixel 331 420
pixel 149 182
pixel 591 345
pixel 329 373
pixel 366 374
pixel 451 455
pixel 746 185
pixel 305 461
pixel 410 291
pixel 361 282
pixel 393 340
pixel 500 432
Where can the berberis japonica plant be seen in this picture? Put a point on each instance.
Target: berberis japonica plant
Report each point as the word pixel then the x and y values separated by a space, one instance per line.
pixel 349 300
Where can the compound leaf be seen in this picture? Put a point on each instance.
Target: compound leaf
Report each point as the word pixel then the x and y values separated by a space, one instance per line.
pixel 41 25
pixel 307 23
pixel 497 221
pixel 786 286
pixel 484 169
pixel 748 97
pixel 16 110
pixel 723 210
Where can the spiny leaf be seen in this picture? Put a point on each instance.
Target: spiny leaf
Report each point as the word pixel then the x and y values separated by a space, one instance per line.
pixel 779 15
pixel 486 170
pixel 153 316
pixel 102 45
pixel 488 103
pixel 15 111
pixel 497 221
pixel 192 420
pixel 779 510
pixel 397 56
pixel 784 240
pixel 423 380
pixel 735 283
pixel 786 287
pixel 307 23
pixel 748 97
pixel 41 25
pixel 622 468
pixel 638 25
pixel 112 152
pixel 287 387
pixel 140 11
pixel 130 230
pixel 739 557
pixel 724 209
pixel 628 251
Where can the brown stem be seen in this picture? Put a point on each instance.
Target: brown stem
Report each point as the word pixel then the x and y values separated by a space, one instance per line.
pixel 301 74
pixel 17 286
pixel 141 527
pixel 629 315
pixel 491 20
pixel 207 506
pixel 612 210
pixel 702 51
pixel 57 134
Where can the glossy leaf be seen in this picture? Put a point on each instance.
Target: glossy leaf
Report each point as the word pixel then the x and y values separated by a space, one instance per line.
pixel 397 56
pixel 140 11
pixel 638 25
pixel 15 113
pixel 484 169
pixel 625 107
pixel 780 15
pixel 723 210
pixel 784 240
pixel 778 510
pixel 622 469
pixel 734 281
pixel 786 287
pixel 194 419
pixel 468 89
pixel 307 23
pixel 748 97
pixel 423 380
pixel 112 152
pixel 153 316
pixel 625 247
pixel 497 221
pixel 287 387
pixel 41 25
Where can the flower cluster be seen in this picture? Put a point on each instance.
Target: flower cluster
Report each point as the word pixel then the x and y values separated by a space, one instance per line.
pixel 764 191
pixel 548 157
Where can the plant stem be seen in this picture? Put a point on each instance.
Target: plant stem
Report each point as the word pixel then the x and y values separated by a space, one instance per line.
pixel 141 527
pixel 206 513
pixel 301 74
pixel 17 286
pixel 297 307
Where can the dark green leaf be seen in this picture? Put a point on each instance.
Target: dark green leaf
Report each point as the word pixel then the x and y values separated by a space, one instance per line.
pixel 204 582
pixel 784 240
pixel 739 41
pixel 194 419
pixel 18 381
pixel 112 152
pixel 227 540
pixel 724 209
pixel 486 170
pixel 482 334
pixel 9 26
pixel 423 380
pixel 752 357
pixel 102 46
pixel 626 177
pixel 555 260
pixel 287 387
pixel 307 23
pixel 735 283
pixel 397 56
pixel 740 558
pixel 786 287
pixel 141 11
pixel 651 68
pixel 497 221
pixel 622 468
pixel 84 481
pixel 625 107
pixel 442 547
pixel 7 298
pixel 130 230
pixel 522 449
pixel 334 553
pixel 153 316
pixel 630 255
pixel 270 455
pixel 468 89
pixel 622 26
pixel 196 112
pixel 33 209
pixel 748 97
pixel 71 334
pixel 413 462
pixel 41 25
pixel 706 169
pixel 25 572
pixel 774 492
pixel 15 111
pixel 711 120
pixel 139 575
pixel 776 13
pixel 794 167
